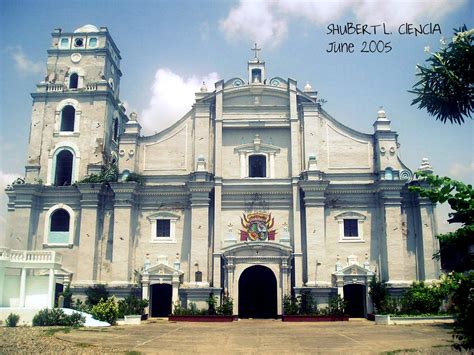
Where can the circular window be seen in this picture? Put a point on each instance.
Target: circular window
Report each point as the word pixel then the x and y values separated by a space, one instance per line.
pixel 78 42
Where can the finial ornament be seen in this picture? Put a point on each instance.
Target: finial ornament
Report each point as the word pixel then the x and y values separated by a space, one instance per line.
pixel 255 49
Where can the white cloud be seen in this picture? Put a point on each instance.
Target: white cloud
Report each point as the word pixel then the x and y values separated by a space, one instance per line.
pixel 23 64
pixel 255 20
pixel 267 21
pixel 464 172
pixel 172 97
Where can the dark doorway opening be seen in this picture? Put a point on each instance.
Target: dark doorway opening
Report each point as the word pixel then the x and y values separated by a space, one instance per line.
pixel 257 293
pixel 161 300
pixel 355 297
pixel 73 81
pixel 58 289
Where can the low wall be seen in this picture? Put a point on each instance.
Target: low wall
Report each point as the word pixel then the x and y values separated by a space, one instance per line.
pixel 393 320
pixel 26 314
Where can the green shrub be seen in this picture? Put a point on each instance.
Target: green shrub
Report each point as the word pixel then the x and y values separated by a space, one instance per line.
pixel 337 306
pixel 12 320
pixel 179 310
pixel 227 306
pixel 420 298
pixel 290 305
pixel 307 304
pixel 379 295
pixel 56 316
pixel 131 305
pixel 106 310
pixel 95 294
pixel 211 304
pixel 463 304
pixel 78 305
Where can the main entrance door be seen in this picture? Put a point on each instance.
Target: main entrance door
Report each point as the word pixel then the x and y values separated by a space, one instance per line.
pixel 355 296
pixel 161 300
pixel 257 293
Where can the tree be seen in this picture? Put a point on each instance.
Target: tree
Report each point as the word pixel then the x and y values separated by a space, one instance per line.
pixel 460 198
pixel 445 88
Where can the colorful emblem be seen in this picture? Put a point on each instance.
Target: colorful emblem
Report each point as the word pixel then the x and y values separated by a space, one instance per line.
pixel 257 226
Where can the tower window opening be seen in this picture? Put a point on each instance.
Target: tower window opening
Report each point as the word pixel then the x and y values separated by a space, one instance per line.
pixel 64 164
pixel 60 221
pixel 257 166
pixel 73 81
pixel 67 119
pixel 256 76
pixel 116 130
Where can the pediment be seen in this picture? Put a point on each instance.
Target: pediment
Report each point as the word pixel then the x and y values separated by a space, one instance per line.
pixel 263 249
pixel 162 269
pixel 354 270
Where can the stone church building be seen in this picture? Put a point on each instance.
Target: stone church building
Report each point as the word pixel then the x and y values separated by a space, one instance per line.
pixel 256 192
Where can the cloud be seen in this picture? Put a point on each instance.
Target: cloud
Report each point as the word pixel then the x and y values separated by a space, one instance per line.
pixel 267 21
pixel 172 97
pixel 23 64
pixel 462 171
pixel 256 21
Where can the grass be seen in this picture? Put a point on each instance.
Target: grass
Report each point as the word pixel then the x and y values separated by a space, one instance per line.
pixel 401 351
pixel 132 353
pixel 52 331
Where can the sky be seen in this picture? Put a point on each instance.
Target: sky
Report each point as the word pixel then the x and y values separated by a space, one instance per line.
pixel 169 48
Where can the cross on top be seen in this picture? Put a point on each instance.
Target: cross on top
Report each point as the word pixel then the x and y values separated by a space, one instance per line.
pixel 256 50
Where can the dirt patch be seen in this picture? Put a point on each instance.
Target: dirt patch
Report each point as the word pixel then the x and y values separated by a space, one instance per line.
pixel 40 340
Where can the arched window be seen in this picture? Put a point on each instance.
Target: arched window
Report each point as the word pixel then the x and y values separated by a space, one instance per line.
pixel 59 221
pixel 388 174
pixel 64 164
pixel 59 225
pixel 67 119
pixel 116 129
pixel 73 81
pixel 256 76
pixel 257 166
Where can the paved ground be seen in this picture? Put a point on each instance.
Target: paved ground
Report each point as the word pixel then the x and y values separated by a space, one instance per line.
pixel 266 336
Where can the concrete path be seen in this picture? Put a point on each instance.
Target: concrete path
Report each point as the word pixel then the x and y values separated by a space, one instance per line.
pixel 266 336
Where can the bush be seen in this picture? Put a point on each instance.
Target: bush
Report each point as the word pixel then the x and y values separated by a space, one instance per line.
pixel 106 310
pixel 12 320
pixel 56 316
pixel 421 299
pixel 211 304
pixel 307 304
pixel 95 294
pixel 337 306
pixel 179 310
pixel 463 304
pixel 290 305
pixel 379 295
pixel 78 305
pixel 227 306
pixel 131 305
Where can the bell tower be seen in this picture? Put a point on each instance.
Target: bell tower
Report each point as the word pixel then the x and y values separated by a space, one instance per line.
pixel 256 68
pixel 77 115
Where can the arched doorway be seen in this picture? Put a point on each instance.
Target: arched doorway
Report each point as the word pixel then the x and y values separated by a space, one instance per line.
pixel 355 296
pixel 160 300
pixel 257 293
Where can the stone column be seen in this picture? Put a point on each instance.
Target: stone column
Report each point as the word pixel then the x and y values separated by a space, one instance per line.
pixel 51 288
pixel 297 251
pixel 87 253
pixel 430 243
pixel 395 244
pixel 200 226
pixel 125 195
pixel 22 287
pixel 314 200
pixel 175 289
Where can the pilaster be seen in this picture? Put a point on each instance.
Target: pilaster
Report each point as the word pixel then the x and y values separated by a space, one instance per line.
pixel 88 239
pixel 200 243
pixel 395 243
pixel 430 243
pixel 124 202
pixel 314 201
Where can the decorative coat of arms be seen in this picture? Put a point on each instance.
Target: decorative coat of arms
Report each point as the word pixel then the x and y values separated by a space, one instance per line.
pixel 257 226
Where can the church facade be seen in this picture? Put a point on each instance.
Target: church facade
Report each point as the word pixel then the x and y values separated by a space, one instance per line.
pixel 257 192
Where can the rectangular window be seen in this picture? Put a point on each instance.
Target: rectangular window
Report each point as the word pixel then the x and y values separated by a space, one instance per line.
pixel 163 228
pixel 351 228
